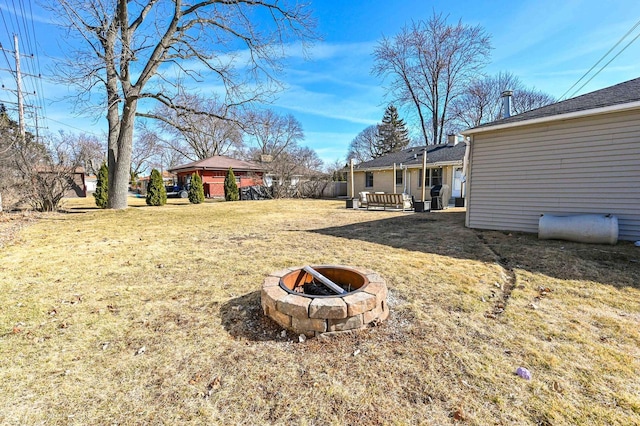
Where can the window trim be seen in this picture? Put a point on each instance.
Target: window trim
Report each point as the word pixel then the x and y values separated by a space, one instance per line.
pixel 430 176
pixel 366 179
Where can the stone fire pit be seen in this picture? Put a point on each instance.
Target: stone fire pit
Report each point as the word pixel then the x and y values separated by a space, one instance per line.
pixel 295 299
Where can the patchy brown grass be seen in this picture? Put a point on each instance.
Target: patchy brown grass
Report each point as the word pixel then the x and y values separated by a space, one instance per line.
pixel 82 293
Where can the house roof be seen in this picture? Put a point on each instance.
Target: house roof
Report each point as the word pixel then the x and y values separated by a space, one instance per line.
pixel 218 162
pixel 614 98
pixel 436 154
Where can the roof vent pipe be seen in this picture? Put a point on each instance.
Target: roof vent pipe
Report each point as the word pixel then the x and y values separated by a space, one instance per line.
pixel 506 103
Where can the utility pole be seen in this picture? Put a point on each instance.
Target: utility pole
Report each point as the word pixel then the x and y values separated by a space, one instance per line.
pixel 19 88
pixel 19 91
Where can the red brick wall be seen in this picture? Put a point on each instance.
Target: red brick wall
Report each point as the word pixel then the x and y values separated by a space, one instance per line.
pixel 213 182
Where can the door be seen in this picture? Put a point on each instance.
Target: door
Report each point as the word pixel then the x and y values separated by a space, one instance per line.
pixel 456 190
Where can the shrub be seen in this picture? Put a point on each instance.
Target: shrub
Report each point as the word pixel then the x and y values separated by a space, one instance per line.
pixel 196 190
pixel 102 187
pixel 156 194
pixel 231 192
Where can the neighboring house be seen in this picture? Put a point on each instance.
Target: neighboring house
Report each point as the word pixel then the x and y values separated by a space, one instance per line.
pixel 77 187
pixel 91 181
pixel 577 156
pixel 213 170
pixel 444 167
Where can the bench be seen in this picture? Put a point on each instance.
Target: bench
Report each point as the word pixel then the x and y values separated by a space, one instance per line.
pixel 396 201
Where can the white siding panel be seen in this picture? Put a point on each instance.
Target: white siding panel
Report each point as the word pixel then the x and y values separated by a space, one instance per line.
pixel 585 165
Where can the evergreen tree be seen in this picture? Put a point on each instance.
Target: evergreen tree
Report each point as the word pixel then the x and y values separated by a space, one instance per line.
pixel 102 187
pixel 196 190
pixel 393 135
pixel 156 193
pixel 231 192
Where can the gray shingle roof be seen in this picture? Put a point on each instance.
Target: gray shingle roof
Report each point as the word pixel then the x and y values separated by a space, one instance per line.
pixel 622 93
pixel 413 156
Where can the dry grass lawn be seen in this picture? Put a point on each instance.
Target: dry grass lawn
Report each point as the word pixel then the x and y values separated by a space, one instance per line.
pixel 152 316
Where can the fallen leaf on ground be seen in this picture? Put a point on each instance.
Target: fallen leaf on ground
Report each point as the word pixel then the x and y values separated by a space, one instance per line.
pixel 557 387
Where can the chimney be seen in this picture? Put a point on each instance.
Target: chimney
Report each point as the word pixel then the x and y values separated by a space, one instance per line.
pixel 506 103
pixel 452 139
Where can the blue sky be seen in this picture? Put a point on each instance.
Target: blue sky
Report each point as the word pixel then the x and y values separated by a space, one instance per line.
pixel 549 45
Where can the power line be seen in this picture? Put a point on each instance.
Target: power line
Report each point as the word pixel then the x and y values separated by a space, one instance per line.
pixel 4 21
pixel 605 65
pixel 600 60
pixel 75 128
pixel 19 17
pixel 33 31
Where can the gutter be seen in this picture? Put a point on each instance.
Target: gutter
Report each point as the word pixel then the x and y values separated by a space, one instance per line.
pixel 558 117
pixel 410 166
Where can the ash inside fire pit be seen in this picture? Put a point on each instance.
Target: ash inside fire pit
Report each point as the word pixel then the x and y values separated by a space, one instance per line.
pixel 319 299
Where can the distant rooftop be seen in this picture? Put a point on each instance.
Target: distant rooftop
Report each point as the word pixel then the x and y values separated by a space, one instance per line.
pixel 442 153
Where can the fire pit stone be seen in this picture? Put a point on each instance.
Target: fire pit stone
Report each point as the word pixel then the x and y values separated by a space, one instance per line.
pixel 284 300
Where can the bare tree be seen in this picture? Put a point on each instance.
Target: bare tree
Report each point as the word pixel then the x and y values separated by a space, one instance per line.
pixel 363 147
pixel 86 150
pixel 11 179
pixel 47 172
pixel 337 170
pixel 146 153
pixel 272 134
pixel 429 64
pixel 127 43
pixel 480 102
pixel 197 136
pixel 527 99
pixel 308 161
pixel 293 167
pixel 35 172
pixel 275 140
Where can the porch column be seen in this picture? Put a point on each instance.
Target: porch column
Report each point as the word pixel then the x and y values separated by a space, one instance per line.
pixel 352 181
pixel 424 174
pixel 394 178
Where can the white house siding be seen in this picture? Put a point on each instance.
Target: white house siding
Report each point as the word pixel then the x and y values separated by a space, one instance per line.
pixel 382 181
pixel 582 165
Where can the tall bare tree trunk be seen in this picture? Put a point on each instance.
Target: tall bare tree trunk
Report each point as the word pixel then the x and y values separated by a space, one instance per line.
pixel 120 158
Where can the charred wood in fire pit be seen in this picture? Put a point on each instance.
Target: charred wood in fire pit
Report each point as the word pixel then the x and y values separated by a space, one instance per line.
pixel 324 280
pixel 317 289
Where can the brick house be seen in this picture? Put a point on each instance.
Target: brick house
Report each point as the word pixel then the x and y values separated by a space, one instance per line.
pixel 213 170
